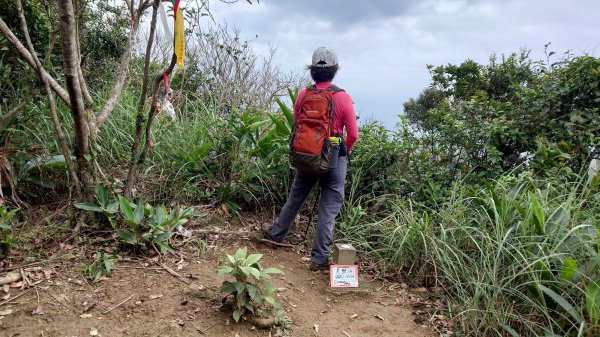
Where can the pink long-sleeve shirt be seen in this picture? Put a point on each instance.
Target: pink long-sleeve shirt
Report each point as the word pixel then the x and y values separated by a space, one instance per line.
pixel 343 110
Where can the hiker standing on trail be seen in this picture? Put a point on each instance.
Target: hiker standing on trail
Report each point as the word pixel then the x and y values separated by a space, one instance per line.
pixel 319 152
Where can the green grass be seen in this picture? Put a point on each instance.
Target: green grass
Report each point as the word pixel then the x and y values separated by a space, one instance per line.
pixel 239 159
pixel 500 253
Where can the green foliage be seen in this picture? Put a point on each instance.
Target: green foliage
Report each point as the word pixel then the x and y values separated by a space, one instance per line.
pixel 103 265
pixel 489 119
pixel 250 290
pixel 13 83
pixel 592 305
pixel 139 225
pixel 376 161
pixel 147 225
pixel 107 207
pixel 518 254
pixel 7 225
pixel 284 325
pixel 40 171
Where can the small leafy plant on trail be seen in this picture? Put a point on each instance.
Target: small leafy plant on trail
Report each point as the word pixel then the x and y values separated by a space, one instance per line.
pixel 202 247
pixel 250 291
pixel 103 265
pixel 284 325
pixel 7 223
pixel 145 225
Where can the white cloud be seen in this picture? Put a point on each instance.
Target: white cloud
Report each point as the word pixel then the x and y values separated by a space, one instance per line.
pixel 384 46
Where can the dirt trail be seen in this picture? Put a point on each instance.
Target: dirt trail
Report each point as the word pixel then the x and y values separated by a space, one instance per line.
pixel 159 304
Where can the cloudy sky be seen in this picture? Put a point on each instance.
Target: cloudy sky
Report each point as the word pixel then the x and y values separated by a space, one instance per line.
pixel 385 45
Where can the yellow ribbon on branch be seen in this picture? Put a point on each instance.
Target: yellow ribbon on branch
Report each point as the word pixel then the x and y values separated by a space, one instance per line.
pixel 178 34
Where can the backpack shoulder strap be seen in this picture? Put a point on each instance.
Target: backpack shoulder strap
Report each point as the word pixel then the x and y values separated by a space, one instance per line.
pixel 335 88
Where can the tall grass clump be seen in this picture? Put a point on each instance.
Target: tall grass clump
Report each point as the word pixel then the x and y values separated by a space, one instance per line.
pixel 518 257
pixel 235 160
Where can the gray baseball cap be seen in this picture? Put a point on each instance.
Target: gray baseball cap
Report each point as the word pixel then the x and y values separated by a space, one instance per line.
pixel 324 57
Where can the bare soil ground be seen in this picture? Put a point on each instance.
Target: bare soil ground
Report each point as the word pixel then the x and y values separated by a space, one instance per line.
pixel 145 297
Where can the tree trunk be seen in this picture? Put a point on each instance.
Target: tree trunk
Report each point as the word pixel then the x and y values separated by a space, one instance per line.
pixel 57 126
pixel 80 118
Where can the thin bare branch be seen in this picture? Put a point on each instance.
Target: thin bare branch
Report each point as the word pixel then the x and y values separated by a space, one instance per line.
pixel 51 34
pixel 4 119
pixel 87 97
pixel 129 6
pixel 84 87
pixel 57 126
pixel 115 93
pixel 153 110
pixel 51 43
pixel 64 96
pixel 139 121
pixel 154 106
pixel 145 4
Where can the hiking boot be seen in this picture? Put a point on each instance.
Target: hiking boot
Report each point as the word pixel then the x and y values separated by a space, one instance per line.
pixel 318 266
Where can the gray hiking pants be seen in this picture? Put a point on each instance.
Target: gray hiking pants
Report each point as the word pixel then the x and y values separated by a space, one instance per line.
pixel 330 204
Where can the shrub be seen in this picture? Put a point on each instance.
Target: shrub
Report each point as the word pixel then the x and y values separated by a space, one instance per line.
pixel 250 290
pixel 149 225
pixel 515 257
pixel 140 225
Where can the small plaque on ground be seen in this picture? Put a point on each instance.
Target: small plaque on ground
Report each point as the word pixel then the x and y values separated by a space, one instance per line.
pixel 343 276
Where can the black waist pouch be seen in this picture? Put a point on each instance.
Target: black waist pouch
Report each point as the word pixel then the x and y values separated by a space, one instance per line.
pixel 343 149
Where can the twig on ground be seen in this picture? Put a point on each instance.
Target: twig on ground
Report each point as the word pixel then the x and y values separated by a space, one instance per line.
pixel 58 301
pixel 14 298
pixel 345 333
pixel 26 281
pixel 203 331
pixel 136 267
pixel 213 231
pixel 35 263
pixel 116 306
pixel 172 272
pixel 276 243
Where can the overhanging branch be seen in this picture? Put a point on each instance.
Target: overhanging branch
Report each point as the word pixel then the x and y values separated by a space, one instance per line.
pixel 64 96
pixel 115 93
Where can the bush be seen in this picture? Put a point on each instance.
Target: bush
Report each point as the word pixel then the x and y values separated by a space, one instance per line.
pixel 250 290
pixel 140 225
pixel 516 257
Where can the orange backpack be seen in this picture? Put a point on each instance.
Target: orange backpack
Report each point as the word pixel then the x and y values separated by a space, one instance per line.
pixel 309 143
